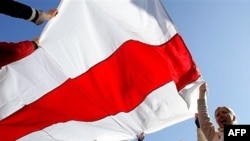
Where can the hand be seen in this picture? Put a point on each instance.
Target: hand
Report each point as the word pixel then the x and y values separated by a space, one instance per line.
pixel 45 16
pixel 51 13
pixel 141 137
pixel 36 40
pixel 203 89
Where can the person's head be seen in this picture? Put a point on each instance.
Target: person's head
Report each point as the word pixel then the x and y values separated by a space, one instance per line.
pixel 225 116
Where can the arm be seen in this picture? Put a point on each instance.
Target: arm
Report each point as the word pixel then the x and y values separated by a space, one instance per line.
pixel 205 122
pixel 200 135
pixel 11 52
pixel 19 10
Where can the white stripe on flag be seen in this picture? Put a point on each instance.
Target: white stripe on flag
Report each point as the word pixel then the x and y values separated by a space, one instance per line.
pixel 27 80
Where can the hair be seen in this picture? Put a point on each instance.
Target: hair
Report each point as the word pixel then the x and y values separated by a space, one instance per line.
pixel 230 112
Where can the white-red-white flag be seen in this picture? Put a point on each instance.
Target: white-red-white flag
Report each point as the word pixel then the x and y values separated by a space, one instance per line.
pixel 107 71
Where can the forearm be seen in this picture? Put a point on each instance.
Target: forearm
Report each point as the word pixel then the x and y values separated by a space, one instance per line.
pixel 205 123
pixel 11 52
pixel 18 10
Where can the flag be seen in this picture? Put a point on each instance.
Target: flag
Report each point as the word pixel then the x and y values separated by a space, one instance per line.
pixel 107 71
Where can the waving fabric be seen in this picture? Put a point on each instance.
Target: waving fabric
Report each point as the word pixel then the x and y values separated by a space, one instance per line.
pixel 107 71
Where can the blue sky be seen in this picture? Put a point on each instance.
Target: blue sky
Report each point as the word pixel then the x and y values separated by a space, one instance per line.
pixel 217 33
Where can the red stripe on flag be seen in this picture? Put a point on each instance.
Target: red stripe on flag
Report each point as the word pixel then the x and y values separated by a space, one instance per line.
pixel 118 84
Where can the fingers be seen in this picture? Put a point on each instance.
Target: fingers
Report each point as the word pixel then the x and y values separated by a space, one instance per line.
pixel 45 16
pixel 52 13
pixel 141 137
pixel 36 40
pixel 203 87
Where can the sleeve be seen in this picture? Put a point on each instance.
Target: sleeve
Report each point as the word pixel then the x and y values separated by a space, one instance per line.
pixel 11 52
pixel 18 10
pixel 205 122
pixel 200 135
